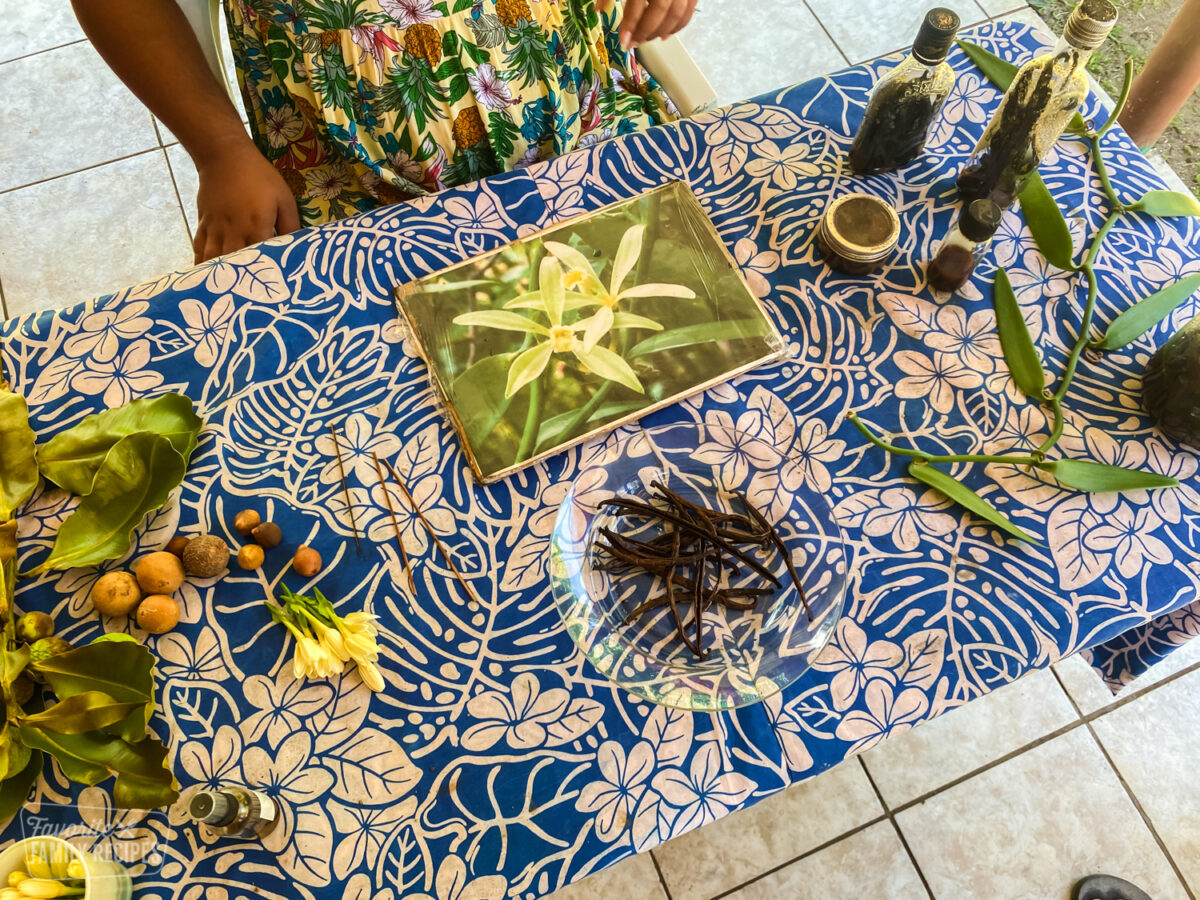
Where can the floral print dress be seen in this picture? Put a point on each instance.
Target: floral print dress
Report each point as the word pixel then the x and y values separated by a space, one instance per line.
pixel 359 103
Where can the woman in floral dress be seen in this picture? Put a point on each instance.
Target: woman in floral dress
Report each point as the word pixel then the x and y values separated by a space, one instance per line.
pixel 357 103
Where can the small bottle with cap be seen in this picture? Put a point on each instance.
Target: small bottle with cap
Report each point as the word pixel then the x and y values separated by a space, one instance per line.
pixel 962 249
pixel 235 811
pixel 907 100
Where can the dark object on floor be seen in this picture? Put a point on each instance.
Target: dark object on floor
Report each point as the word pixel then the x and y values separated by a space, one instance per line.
pixel 1107 887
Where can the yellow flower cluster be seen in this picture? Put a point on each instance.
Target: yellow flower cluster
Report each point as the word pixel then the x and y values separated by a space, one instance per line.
pixel 325 641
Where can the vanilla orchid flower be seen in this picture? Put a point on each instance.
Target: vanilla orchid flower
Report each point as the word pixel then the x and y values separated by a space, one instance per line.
pixel 371 675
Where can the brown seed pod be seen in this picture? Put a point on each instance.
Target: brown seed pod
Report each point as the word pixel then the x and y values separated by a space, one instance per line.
pixel 206 556
pixel 268 535
pixel 116 594
pixel 250 556
pixel 177 543
pixel 159 573
pixel 246 521
pixel 307 561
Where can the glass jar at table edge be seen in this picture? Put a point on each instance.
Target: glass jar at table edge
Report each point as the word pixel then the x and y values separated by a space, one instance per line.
pixel 964 246
pixel 1036 109
pixel 858 234
pixel 1171 385
pixel 905 101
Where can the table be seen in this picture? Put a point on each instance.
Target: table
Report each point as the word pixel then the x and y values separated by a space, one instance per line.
pixel 497 757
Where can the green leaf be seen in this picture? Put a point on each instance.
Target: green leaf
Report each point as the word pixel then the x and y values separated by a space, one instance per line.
pixel 72 458
pixel 143 781
pixel 14 791
pixel 14 755
pixel 658 290
pixel 502 321
pixel 706 333
pixel 1019 352
pixel 627 257
pixel 1140 318
pixel 88 711
pixel 1046 222
pixel 122 670
pixel 18 460
pixel 554 430
pixel 13 663
pixel 964 496
pixel 608 365
pixel 528 366
pixel 1001 73
pixel 1083 475
pixel 137 476
pixel 629 320
pixel 478 395
pixel 1167 203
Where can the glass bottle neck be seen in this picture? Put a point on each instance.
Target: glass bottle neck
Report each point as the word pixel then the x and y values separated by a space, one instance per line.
pixel 1064 48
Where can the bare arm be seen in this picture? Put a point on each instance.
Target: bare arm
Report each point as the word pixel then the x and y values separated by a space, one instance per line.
pixel 151 47
pixel 645 20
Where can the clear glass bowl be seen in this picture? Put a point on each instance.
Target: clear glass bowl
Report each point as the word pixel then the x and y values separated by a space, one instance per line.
pixel 752 654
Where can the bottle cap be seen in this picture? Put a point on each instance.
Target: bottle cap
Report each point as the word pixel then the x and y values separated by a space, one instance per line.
pixel 1089 24
pixel 936 36
pixel 860 228
pixel 212 808
pixel 980 220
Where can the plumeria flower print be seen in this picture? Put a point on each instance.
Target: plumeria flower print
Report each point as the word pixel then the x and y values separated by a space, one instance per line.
pixel 410 12
pixel 936 379
pixel 814 448
pixel 101 333
pixel 968 100
pixel 899 514
pixel 122 379
pixel 207 326
pixel 734 123
pixel 734 449
pixel 127 835
pixel 282 705
pixel 214 759
pixel 756 265
pixel 453 883
pixel 613 799
pixel 490 89
pixel 704 793
pixel 518 717
pixel 1011 240
pixel 785 165
pixel 1177 464
pixel 558 338
pixel 1037 279
pixel 1127 533
pixel 358 440
pixel 973 340
pixel 855 662
pixel 886 714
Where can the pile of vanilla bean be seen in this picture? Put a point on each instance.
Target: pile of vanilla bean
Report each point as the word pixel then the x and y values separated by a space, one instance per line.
pixel 695 551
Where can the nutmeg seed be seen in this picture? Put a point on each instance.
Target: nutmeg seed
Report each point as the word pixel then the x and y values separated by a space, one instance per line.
pixel 246 521
pixel 307 561
pixel 268 535
pixel 250 556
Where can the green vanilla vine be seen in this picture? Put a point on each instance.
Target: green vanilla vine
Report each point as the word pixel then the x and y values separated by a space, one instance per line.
pixel 1053 238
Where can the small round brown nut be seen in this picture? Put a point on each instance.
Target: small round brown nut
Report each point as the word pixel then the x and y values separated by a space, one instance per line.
pixel 206 556
pixel 177 543
pixel 160 573
pixel 116 594
pixel 268 535
pixel 246 521
pixel 157 614
pixel 250 556
pixel 307 561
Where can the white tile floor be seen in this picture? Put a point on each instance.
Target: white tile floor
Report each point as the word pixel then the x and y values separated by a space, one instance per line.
pixel 1014 796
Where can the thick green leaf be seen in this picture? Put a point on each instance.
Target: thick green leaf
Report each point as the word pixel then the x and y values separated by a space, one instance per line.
pixel 1001 73
pixel 18 459
pixel 1140 318
pixel 137 476
pixel 72 458
pixel 14 791
pixel 706 333
pixel 13 663
pixel 554 430
pixel 963 495
pixel 8 548
pixel 1083 475
pixel 502 321
pixel 1019 352
pixel 14 755
pixel 528 367
pixel 1046 223
pixel 143 781
pixel 89 711
pixel 1167 203
pixel 122 670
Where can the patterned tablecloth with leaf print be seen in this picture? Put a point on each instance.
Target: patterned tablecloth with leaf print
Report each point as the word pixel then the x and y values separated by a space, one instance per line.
pixel 498 763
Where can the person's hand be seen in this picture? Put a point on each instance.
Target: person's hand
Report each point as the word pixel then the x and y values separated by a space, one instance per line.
pixel 645 20
pixel 242 200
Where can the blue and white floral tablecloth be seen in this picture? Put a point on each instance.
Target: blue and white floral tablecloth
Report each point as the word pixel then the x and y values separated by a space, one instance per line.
pixel 498 763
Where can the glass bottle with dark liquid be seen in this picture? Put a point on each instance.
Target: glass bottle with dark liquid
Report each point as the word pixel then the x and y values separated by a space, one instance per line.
pixel 906 100
pixel 1037 107
pixel 1171 386
pixel 962 249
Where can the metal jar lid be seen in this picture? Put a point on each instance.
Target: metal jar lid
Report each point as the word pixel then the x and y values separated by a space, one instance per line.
pixel 861 228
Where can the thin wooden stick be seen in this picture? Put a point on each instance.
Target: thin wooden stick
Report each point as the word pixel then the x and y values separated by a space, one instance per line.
pixel 395 524
pixel 337 448
pixel 441 547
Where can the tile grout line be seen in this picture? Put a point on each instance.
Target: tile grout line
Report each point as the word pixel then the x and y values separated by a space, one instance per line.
pixel 178 197
pixel 896 827
pixel 805 855
pixel 1137 804
pixel 106 162
pixel 661 878
pixel 81 40
pixel 836 45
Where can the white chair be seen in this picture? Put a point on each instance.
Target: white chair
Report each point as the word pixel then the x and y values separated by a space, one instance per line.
pixel 673 67
pixel 205 18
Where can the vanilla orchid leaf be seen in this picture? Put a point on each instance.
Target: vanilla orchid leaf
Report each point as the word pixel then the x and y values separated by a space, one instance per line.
pixel 1167 203
pixel 1046 223
pixel 18 454
pixel 72 458
pixel 964 496
pixel 1019 351
pixel 1141 317
pixel 1084 475
pixel 502 321
pixel 530 300
pixel 704 333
